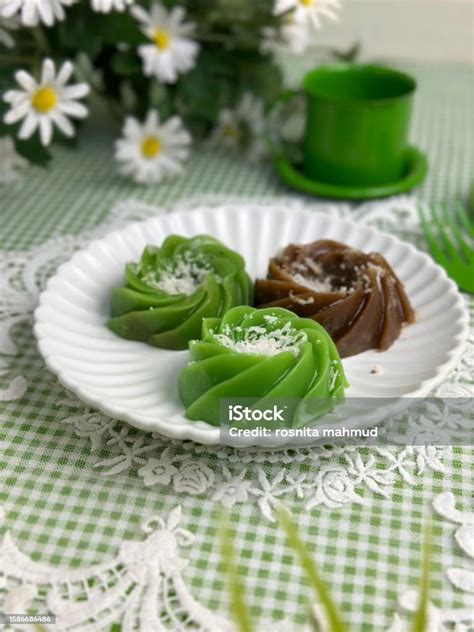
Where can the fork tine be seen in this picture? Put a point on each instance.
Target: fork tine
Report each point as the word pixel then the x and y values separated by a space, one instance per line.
pixel 436 251
pixel 464 219
pixel 438 216
pixel 463 246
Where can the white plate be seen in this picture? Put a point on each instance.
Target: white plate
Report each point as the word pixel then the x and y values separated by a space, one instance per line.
pixel 137 383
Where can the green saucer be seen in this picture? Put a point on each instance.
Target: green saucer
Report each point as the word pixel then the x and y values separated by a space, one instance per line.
pixel 415 171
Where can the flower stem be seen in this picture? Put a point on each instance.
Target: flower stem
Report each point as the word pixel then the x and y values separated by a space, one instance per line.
pixel 41 40
pixel 16 59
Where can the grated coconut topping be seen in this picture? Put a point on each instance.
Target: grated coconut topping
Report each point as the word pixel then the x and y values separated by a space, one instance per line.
pixel 181 276
pixel 315 281
pixel 258 340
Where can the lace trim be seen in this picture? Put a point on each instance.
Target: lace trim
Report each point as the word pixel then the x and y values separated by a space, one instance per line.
pixel 444 619
pixel 142 587
pixel 337 476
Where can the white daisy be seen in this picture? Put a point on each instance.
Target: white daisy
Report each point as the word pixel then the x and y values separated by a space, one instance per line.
pixel 171 51
pixel 46 103
pixel 308 12
pixel 242 129
pixel 105 6
pixel 10 161
pixel 289 36
pixel 149 152
pixel 35 11
pixel 6 25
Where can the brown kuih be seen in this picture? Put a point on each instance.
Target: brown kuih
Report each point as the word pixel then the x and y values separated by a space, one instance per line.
pixel 357 297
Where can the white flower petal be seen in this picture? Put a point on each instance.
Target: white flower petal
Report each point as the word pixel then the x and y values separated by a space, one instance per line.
pixel 140 14
pixel 29 14
pixel 73 108
pixel 169 165
pixel 48 72
pixel 17 113
pixel 159 15
pixel 46 12
pixel 151 121
pixel 282 6
pixel 35 11
pixel 63 123
pixel 25 80
pixel 11 8
pixel 15 96
pixel 28 126
pixel 65 73
pixel 76 91
pixel 46 129
pixel 132 128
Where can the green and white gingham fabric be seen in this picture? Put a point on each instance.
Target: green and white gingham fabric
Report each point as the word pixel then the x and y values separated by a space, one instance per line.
pixel 89 507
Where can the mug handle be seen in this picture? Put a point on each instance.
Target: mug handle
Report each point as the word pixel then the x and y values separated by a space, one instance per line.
pixel 284 97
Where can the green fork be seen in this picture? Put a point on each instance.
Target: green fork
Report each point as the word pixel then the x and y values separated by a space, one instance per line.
pixel 450 236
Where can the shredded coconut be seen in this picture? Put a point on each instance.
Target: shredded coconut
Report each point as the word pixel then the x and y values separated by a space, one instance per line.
pixel 313 283
pixel 258 340
pixel 180 276
pixel 333 375
pixel 300 300
pixel 314 280
pixel 268 318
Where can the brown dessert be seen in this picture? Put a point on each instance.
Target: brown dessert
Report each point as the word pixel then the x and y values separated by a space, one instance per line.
pixel 357 297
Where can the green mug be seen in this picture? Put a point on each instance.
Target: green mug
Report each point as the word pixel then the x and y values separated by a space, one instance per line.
pixel 357 124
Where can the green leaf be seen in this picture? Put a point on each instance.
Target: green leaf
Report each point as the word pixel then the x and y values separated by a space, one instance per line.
pixel 260 76
pixel 33 151
pixel 115 28
pixel 420 619
pixel 126 63
pixel 200 94
pixel 307 564
pixel 159 97
pixel 75 34
pixel 238 607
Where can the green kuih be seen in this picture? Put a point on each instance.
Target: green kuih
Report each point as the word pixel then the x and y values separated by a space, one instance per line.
pixel 175 286
pixel 267 354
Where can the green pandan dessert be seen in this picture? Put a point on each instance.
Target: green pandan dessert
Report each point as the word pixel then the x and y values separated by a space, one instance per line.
pixel 267 354
pixel 175 286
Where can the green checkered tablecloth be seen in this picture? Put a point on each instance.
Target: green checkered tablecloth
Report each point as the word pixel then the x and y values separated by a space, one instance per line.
pixel 89 518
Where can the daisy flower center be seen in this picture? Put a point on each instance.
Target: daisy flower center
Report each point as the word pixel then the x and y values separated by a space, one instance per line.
pixel 44 100
pixel 151 146
pixel 306 3
pixel 161 39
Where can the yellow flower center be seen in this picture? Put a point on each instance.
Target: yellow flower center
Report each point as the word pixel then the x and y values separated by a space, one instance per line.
pixel 150 147
pixel 306 3
pixel 44 100
pixel 161 39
